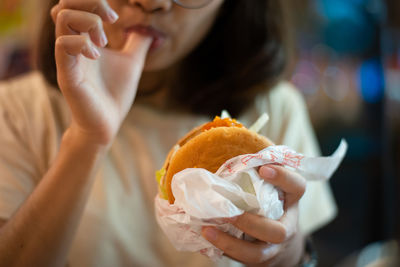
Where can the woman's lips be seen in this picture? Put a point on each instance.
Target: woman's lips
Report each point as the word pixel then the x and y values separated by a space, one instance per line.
pixel 158 36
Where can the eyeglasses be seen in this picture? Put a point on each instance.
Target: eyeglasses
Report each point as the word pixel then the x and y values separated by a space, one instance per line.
pixel 192 4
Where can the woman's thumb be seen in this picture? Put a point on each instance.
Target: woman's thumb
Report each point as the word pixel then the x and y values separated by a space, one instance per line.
pixel 137 45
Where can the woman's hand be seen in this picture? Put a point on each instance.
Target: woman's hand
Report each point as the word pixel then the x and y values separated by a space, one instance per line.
pixel 98 84
pixel 278 243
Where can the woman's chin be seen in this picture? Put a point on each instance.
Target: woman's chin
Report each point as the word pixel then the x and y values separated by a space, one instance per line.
pixel 155 64
pixel 160 59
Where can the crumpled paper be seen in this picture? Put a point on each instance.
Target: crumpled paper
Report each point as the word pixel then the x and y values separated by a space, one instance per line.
pixel 203 198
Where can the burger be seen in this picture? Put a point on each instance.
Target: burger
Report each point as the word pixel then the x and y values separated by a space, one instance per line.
pixel 208 146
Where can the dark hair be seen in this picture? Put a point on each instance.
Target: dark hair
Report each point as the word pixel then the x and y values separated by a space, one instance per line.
pixel 245 53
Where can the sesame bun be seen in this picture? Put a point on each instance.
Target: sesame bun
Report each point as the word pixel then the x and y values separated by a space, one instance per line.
pixel 209 146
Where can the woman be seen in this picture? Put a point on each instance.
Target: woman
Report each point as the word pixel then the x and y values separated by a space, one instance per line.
pixel 77 184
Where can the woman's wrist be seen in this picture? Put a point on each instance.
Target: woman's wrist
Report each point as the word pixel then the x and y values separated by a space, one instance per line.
pixel 73 136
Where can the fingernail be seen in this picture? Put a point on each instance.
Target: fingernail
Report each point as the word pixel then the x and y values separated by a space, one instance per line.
pixel 267 172
pixel 210 233
pixel 112 15
pixel 96 52
pixel 103 39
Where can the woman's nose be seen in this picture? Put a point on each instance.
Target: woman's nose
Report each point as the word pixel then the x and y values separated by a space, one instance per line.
pixel 152 6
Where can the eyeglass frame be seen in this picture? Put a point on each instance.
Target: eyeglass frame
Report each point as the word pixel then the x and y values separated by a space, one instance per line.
pixel 177 2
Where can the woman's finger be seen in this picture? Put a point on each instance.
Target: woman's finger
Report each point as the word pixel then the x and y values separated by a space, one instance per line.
pixel 54 11
pixel 260 227
pixel 98 7
pixel 68 51
pixel 241 250
pixel 290 220
pixel 71 22
pixel 69 46
pixel 291 183
pixel 137 45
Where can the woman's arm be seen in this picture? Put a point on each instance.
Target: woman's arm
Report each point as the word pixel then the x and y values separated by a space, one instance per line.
pixel 41 231
pixel 99 96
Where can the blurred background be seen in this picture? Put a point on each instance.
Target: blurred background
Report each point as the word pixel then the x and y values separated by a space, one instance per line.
pixel 348 68
pixel 19 24
pixel 347 65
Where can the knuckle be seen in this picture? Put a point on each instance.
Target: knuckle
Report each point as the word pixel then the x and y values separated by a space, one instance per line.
pixel 281 235
pixel 97 21
pixel 302 190
pixel 95 8
pixel 287 176
pixel 257 257
pixel 302 186
pixel 60 42
pixel 54 10
pixel 63 16
pixel 242 220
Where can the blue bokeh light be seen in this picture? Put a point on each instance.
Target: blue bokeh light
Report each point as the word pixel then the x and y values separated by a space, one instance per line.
pixel 347 26
pixel 371 80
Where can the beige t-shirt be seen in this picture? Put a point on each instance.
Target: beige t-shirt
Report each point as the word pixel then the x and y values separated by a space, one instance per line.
pixel 118 227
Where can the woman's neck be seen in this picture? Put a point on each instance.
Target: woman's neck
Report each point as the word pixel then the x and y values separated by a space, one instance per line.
pixel 153 87
pixel 151 82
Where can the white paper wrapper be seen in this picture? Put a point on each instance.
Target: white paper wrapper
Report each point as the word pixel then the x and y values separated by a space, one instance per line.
pixel 202 198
